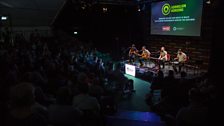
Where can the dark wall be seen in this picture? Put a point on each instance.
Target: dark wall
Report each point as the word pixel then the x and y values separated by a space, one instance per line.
pixel 216 63
pixel 118 27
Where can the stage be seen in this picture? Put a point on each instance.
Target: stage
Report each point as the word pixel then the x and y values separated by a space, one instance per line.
pixel 150 69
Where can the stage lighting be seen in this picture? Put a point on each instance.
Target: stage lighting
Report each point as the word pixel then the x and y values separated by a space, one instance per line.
pixel 83 7
pixel 208 2
pixel 75 33
pixel 139 8
pixel 104 9
pixel 4 18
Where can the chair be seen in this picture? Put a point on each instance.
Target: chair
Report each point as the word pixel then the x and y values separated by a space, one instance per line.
pixel 168 57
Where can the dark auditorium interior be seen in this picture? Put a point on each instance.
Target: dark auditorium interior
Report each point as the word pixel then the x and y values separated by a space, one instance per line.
pixel 140 62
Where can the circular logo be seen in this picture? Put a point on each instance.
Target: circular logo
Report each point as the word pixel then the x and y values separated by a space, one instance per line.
pixel 166 9
pixel 174 28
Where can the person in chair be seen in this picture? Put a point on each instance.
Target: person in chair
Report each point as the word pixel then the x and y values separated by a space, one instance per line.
pixel 181 59
pixel 132 53
pixel 162 57
pixel 145 55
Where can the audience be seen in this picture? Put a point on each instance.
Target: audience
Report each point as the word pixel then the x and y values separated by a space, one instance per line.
pixel 196 114
pixel 23 110
pixel 50 65
pixel 186 101
pixel 88 105
pixel 66 82
pixel 84 101
pixel 158 81
pixel 63 113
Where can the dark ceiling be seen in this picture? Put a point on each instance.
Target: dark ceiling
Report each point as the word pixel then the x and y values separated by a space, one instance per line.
pixel 30 12
pixel 42 12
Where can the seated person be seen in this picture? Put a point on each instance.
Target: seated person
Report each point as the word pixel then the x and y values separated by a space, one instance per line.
pixel 196 113
pixel 132 53
pixel 181 58
pixel 84 101
pixel 144 56
pixel 23 109
pixel 162 57
pixel 89 106
pixel 63 113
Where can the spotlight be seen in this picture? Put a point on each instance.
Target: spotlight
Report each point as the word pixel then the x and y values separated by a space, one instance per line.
pixel 208 1
pixel 75 33
pixel 83 7
pixel 104 9
pixel 3 18
pixel 139 8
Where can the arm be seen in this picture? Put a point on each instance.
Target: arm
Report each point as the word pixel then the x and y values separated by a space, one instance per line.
pixel 176 57
pixel 129 53
pixel 148 54
pixel 185 57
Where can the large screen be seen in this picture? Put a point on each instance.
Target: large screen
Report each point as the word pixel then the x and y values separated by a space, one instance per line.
pixel 176 17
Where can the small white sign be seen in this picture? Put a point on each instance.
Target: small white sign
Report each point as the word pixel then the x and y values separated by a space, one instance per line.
pixel 130 69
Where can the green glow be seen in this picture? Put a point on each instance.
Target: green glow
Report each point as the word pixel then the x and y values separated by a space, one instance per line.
pixel 166 9
pixel 179 6
pixel 177 10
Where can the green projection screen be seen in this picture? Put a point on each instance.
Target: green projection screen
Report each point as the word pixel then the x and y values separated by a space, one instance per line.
pixel 176 17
